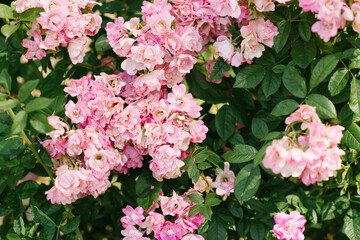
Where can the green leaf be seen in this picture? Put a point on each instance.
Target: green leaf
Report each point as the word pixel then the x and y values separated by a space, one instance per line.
pixel 247 182
pixel 5 105
pixel 111 7
pixel 338 81
pixel 271 83
pixel 285 107
pixel 19 122
pixel 7 30
pixel 272 135
pixel 40 123
pixel 303 53
pixel 101 44
pixel 294 82
pixel 240 154
pixel 334 209
pixel 196 198
pixel 7 12
pixel 13 236
pixel 355 63
pixel 71 225
pixel 322 69
pixel 281 39
pixel 38 104
pixel 304 31
pixel 31 14
pixel 40 217
pixel 19 226
pixel 219 67
pixel 147 190
pixel 324 107
pixel 351 53
pixel 354 101
pixel 195 210
pixel 249 76
pixel 257 230
pixel 216 231
pixel 5 80
pixel 211 200
pixel 27 189
pixel 225 122
pixel 352 224
pixel 259 128
pixel 351 136
pixel 26 89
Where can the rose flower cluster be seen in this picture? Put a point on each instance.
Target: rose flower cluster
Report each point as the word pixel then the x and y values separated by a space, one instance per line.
pixel 289 226
pixel 118 119
pixel 62 23
pixel 156 221
pixel 310 153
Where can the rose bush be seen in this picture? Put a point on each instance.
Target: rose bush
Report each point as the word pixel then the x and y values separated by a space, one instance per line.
pixel 197 119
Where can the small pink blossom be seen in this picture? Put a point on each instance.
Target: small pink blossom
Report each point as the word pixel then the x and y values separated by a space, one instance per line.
pixel 289 226
pixel 224 182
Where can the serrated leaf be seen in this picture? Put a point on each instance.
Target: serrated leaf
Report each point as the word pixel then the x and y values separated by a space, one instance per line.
pixel 334 209
pixel 216 231
pixel 294 82
pixel 26 89
pixel 71 225
pixel 352 224
pixel 354 101
pixel 249 76
pixel 285 107
pixel 196 198
pixel 219 67
pixel 324 107
pixel 240 154
pixel 225 122
pixel 322 69
pixel 271 83
pixel 195 210
pixel 247 182
pixel 259 128
pixel 38 104
pixel 351 136
pixel 303 53
pixel 101 44
pixel 338 81
pixel 304 31
pixel 40 217
pixel 281 39
pixel 257 231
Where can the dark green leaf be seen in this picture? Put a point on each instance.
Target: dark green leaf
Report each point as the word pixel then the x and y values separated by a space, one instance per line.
pixel 324 107
pixel 285 107
pixel 322 69
pixel 195 210
pixel 71 225
pixel 303 53
pixel 40 217
pixel 219 67
pixel 249 76
pixel 257 231
pixel 304 31
pixel 334 209
pixel 225 122
pixel 216 231
pixel 271 83
pixel 26 89
pixel 196 198
pixel 294 82
pixel 338 81
pixel 247 182
pixel 27 189
pixel 281 39
pixel 38 104
pixel 259 128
